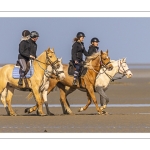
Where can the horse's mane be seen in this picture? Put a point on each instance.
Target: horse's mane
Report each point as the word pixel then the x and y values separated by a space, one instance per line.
pixel 112 60
pixel 93 56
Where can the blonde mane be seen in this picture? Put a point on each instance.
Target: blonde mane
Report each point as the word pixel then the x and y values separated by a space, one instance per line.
pixel 90 58
pixel 93 56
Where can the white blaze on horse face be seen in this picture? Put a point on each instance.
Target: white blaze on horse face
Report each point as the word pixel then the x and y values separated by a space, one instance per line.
pixel 60 69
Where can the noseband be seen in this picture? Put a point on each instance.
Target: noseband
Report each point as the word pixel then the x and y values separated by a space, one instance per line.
pixel 104 65
pixel 120 66
pixel 53 65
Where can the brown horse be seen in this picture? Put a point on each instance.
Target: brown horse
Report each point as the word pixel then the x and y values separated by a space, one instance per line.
pixel 8 83
pixel 93 63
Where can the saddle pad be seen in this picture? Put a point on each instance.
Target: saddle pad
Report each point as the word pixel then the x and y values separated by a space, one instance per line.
pixel 16 75
pixel 71 69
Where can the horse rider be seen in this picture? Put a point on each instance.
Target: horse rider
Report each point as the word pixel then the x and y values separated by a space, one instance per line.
pixel 93 48
pixel 78 50
pixel 27 51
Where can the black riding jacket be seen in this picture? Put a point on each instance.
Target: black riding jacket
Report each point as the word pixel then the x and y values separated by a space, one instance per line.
pixel 27 48
pixel 92 49
pixel 78 50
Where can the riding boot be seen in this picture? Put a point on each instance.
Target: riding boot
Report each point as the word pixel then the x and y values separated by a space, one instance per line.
pixel 20 82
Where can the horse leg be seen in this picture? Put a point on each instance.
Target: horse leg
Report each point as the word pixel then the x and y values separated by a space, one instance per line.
pixel 69 91
pixel 103 97
pixel 3 100
pixel 44 95
pixel 92 95
pixel 63 98
pixel 86 106
pixel 38 98
pixel 50 88
pixel 10 94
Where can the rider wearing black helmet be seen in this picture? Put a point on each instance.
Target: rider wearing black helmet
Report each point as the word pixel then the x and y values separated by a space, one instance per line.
pixel 78 50
pixel 33 46
pixel 27 51
pixel 93 48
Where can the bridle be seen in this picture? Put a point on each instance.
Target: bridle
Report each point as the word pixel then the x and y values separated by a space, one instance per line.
pixel 102 65
pixel 55 66
pixel 124 72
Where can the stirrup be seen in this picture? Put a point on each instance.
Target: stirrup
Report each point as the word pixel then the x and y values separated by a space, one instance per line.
pixel 74 82
pixel 20 82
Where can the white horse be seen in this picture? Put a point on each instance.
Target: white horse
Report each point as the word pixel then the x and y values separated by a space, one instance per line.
pixel 103 80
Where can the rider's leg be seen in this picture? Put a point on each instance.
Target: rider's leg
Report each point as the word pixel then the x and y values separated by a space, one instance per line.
pixel 76 74
pixel 22 70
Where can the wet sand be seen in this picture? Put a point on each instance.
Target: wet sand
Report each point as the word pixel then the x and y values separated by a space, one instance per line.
pixel 119 120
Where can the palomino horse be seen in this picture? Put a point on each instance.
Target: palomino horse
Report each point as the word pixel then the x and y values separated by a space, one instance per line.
pixel 103 80
pixel 93 63
pixel 8 83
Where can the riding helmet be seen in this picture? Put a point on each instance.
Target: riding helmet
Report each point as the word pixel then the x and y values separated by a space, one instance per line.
pixel 25 33
pixel 34 34
pixel 80 34
pixel 95 40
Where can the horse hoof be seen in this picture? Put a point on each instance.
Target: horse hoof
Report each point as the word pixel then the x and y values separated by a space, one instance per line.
pixel 50 114
pixel 40 114
pixel 27 110
pixel 80 109
pixel 65 112
pixel 100 113
pixel 104 113
pixel 13 114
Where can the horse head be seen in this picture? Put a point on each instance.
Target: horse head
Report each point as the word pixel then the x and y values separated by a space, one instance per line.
pixel 123 68
pixel 105 60
pixel 55 63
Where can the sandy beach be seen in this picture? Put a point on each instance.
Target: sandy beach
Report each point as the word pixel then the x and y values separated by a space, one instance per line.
pixel 128 110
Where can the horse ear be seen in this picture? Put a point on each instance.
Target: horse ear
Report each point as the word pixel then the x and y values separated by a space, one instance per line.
pixel 124 59
pixel 48 49
pixel 60 59
pixel 101 52
pixel 53 50
pixel 107 51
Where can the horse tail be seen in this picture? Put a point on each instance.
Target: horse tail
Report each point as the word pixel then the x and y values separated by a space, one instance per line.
pixel 30 95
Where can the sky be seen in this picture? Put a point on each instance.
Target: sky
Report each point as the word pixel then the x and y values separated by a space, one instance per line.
pixel 127 37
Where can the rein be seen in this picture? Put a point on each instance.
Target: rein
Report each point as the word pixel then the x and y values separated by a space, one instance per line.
pixel 113 79
pixel 47 73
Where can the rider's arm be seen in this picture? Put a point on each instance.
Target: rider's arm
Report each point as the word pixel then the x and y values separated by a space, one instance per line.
pixel 74 52
pixel 85 52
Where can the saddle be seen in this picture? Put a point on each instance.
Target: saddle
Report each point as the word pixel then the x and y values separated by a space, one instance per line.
pixel 72 68
pixel 17 70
